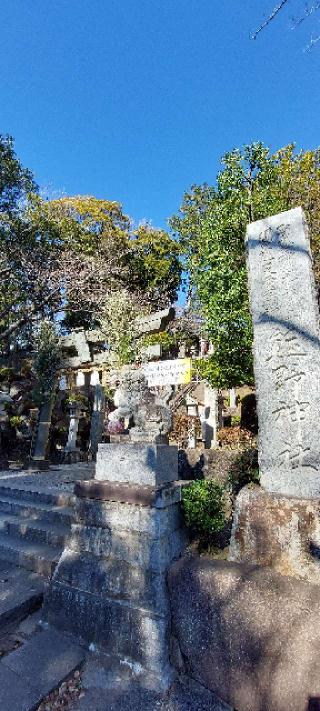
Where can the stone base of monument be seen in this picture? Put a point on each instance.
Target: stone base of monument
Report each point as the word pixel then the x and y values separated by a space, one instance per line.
pixel 4 464
pixel 38 465
pixel 72 456
pixel 278 531
pixel 110 587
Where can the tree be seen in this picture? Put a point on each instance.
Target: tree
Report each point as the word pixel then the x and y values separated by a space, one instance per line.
pixel 155 266
pixel 46 361
pixel 145 262
pixel 211 227
pixel 15 181
pixel 60 260
pixel 15 184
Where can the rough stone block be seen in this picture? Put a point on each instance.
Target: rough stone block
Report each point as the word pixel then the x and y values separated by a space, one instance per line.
pixel 113 579
pixel 277 531
pixel 118 628
pixel 137 549
pixel 128 517
pixel 137 463
pixel 248 634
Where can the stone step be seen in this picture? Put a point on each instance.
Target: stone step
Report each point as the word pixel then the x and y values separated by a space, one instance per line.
pixel 36 668
pixel 38 557
pixel 53 534
pixel 35 511
pixel 21 593
pixel 35 496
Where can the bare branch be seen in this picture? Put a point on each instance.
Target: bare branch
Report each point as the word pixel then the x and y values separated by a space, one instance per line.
pixel 313 41
pixel 276 9
pixel 307 12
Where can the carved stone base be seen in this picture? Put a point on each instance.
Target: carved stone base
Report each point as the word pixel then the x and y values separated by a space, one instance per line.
pixel 110 585
pixel 277 531
pixel 38 465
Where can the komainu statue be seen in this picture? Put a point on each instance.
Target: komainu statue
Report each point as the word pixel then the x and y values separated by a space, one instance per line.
pixel 148 418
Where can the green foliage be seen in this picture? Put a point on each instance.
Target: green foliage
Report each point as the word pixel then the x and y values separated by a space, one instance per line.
pixel 164 338
pixel 245 470
pixel 108 392
pixel 154 263
pixel 144 261
pixel 75 396
pixel 15 181
pixel 47 360
pixel 15 421
pixel 235 420
pixel 211 228
pixel 6 374
pixel 118 326
pixel 203 507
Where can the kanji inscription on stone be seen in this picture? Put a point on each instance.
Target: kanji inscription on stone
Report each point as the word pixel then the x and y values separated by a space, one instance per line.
pixel 286 353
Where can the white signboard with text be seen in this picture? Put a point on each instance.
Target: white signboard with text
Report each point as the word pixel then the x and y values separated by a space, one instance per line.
pixel 168 372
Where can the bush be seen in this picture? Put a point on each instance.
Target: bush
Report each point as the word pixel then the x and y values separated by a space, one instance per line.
pixel 16 421
pixel 6 374
pixel 204 509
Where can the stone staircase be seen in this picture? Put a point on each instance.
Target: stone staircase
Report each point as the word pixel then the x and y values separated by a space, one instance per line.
pixel 35 521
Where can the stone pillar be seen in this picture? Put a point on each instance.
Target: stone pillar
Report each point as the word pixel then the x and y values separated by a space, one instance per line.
pixel 97 419
pixel 211 416
pixel 192 410
pixel 269 526
pixel 39 459
pixel 110 584
pixel 286 353
pixel 5 400
pixel 80 379
pixel 72 452
pixel 233 397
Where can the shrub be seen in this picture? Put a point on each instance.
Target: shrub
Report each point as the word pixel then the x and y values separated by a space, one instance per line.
pixel 235 420
pixel 16 421
pixel 204 509
pixel 6 374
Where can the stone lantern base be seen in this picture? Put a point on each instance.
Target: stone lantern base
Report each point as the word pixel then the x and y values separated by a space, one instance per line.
pixel 71 456
pixel 38 465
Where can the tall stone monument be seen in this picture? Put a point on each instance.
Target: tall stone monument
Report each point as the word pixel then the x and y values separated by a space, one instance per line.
pixel 97 419
pixel 38 459
pixel 110 584
pixel 278 525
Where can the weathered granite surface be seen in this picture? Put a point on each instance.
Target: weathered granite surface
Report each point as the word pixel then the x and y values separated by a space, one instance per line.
pixel 248 634
pixel 286 353
pixel 104 691
pixel 37 667
pixel 110 588
pixel 277 531
pixel 137 463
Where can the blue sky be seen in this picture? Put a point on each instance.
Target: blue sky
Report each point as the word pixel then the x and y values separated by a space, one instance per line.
pixel 135 100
